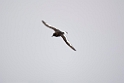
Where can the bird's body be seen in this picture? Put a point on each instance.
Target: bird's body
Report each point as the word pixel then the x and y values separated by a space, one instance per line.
pixel 59 33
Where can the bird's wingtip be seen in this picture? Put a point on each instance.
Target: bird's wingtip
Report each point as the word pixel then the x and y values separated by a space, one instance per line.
pixel 42 21
pixel 74 49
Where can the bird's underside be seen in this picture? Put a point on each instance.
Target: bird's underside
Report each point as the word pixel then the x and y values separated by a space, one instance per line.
pixel 59 33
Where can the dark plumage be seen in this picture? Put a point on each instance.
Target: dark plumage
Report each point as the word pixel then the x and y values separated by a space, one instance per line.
pixel 58 33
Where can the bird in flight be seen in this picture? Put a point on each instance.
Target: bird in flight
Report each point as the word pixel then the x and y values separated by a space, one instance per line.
pixel 59 33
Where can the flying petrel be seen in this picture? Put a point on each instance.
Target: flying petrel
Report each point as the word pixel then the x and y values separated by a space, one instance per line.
pixel 58 33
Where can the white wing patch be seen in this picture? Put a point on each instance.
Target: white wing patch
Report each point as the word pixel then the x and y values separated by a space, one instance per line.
pixel 67 42
pixel 50 26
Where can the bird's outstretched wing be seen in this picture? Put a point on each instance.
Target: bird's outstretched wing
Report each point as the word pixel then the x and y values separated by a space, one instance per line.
pixel 67 42
pixel 50 26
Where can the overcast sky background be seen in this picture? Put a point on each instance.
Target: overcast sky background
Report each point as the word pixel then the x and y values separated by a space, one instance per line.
pixel 28 53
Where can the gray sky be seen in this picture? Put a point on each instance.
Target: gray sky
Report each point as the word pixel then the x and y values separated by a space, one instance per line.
pixel 28 53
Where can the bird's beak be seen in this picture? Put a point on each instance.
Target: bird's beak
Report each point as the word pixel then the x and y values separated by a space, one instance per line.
pixel 66 32
pixel 52 36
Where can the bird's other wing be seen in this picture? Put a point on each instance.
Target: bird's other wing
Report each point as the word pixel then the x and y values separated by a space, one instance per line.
pixel 67 42
pixel 50 26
